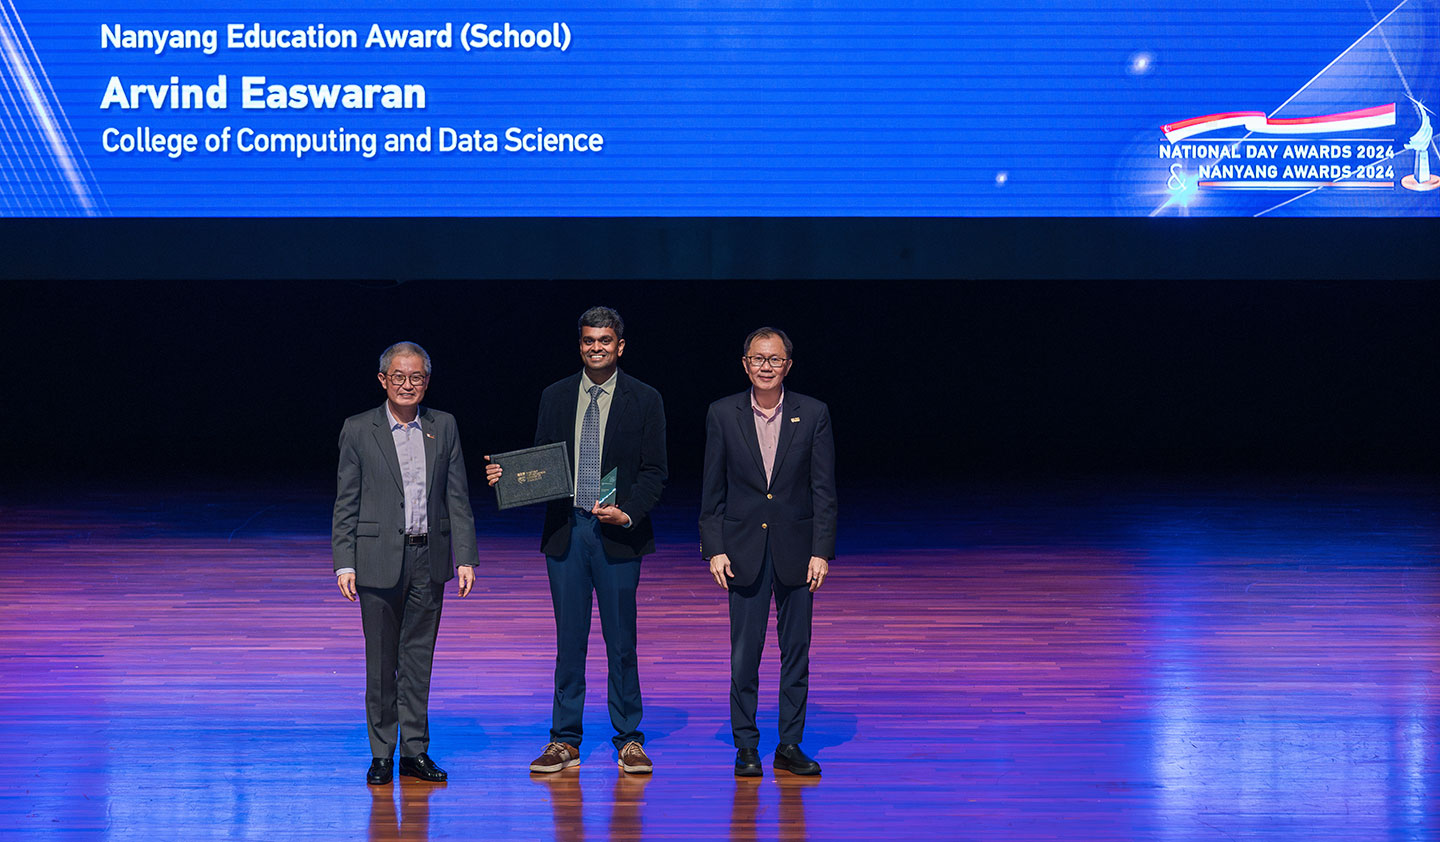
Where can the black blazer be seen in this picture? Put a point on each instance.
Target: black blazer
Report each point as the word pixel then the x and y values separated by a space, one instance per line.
pixel 634 445
pixel 795 512
pixel 368 525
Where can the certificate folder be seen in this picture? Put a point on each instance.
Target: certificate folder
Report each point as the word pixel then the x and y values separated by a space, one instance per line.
pixel 533 475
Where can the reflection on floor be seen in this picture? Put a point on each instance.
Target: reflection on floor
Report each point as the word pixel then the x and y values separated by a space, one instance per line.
pixel 1075 662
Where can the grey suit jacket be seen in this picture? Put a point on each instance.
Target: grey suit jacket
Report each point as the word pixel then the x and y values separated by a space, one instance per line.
pixel 368 528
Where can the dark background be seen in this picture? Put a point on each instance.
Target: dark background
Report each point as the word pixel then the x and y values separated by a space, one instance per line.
pixel 147 349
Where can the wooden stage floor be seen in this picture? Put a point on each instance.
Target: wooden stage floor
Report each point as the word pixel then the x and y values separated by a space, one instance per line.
pixel 1074 662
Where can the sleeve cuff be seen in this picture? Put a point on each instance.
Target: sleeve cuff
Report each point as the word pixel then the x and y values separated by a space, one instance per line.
pixel 342 571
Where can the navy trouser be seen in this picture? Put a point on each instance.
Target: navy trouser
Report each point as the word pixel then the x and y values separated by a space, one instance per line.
pixel 749 618
pixel 585 570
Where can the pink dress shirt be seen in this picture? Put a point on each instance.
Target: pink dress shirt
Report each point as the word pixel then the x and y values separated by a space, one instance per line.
pixel 767 430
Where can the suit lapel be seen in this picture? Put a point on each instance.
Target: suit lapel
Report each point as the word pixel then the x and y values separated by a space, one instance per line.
pixel 791 409
pixel 745 417
pixel 386 443
pixel 618 402
pixel 427 428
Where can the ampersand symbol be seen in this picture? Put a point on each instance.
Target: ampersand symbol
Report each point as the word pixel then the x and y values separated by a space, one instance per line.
pixel 1176 182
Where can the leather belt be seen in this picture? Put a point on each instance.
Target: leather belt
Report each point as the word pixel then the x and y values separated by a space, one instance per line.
pixel 416 540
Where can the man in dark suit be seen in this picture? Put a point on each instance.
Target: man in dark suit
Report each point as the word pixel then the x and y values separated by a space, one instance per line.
pixel 611 422
pixel 402 511
pixel 767 525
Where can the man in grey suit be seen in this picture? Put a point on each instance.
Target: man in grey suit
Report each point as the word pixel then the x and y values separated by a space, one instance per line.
pixel 402 511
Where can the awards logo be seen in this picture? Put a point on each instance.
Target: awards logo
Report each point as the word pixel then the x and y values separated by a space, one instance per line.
pixel 1289 153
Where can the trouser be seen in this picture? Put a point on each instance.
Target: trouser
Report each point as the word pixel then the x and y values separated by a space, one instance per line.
pixel 400 624
pixel 584 570
pixel 749 618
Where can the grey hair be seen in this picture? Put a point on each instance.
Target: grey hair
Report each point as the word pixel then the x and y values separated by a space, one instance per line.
pixel 403 348
pixel 764 332
pixel 603 317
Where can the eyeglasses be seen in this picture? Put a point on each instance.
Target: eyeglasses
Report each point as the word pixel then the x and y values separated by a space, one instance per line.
pixel 758 361
pixel 415 379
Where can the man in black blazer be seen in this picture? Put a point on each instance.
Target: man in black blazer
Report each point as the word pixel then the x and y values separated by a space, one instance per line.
pixel 611 422
pixel 767 525
pixel 402 513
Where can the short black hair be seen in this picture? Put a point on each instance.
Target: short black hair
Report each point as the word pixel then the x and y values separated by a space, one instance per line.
pixel 762 332
pixel 602 317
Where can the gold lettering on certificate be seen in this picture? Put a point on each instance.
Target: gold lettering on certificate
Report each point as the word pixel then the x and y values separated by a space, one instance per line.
pixel 529 476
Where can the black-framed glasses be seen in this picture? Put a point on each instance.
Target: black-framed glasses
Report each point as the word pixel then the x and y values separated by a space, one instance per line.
pixel 415 379
pixel 757 361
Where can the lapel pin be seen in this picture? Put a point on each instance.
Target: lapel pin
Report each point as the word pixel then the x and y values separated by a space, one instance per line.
pixel 432 435
pixel 795 420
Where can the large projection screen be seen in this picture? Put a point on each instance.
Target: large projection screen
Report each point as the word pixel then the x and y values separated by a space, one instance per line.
pixel 363 108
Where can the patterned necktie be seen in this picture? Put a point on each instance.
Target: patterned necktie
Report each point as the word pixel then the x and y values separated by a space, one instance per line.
pixel 587 488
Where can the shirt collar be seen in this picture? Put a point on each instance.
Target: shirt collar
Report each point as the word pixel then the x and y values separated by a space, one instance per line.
pixel 761 412
pixel 395 422
pixel 608 387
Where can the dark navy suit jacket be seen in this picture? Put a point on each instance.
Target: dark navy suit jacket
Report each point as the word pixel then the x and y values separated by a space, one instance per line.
pixel 634 445
pixel 795 512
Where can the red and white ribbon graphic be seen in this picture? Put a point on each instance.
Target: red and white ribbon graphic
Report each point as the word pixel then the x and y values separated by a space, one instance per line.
pixel 1256 122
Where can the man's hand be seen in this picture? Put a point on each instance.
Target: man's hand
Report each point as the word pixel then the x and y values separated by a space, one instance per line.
pixel 493 472
pixel 346 581
pixel 609 513
pixel 720 569
pixel 467 579
pixel 819 569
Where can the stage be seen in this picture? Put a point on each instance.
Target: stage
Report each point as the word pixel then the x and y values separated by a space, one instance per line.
pixel 1085 660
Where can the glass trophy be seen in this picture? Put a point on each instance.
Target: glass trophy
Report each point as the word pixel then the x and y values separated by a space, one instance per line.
pixel 607 489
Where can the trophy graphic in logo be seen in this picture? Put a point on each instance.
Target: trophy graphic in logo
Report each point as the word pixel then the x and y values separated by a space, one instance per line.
pixel 1423 179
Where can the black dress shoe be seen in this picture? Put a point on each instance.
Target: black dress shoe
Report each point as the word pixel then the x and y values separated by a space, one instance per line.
pixel 382 771
pixel 422 767
pixel 789 757
pixel 747 763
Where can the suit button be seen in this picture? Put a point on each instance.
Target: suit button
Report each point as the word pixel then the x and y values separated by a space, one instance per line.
pixel 764 526
pixel 769 496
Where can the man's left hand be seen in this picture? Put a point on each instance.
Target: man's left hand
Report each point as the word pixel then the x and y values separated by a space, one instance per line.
pixel 467 580
pixel 610 514
pixel 819 569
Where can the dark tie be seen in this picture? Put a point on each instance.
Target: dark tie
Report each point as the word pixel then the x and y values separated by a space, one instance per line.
pixel 587 488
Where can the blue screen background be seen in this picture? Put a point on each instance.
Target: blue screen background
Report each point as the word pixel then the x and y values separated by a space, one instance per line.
pixel 725 109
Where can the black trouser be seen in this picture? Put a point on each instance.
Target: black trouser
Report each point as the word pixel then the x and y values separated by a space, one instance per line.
pixel 749 618
pixel 400 624
pixel 584 570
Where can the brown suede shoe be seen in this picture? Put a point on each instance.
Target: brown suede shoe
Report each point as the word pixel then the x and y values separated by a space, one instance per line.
pixel 634 760
pixel 556 756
